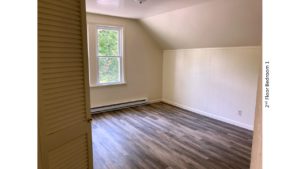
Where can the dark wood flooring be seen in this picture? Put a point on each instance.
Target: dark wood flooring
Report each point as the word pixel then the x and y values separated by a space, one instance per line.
pixel 161 136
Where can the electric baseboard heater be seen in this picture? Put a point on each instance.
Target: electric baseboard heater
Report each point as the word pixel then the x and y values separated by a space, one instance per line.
pixel 118 106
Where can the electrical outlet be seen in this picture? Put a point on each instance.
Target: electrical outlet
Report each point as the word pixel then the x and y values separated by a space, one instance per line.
pixel 240 112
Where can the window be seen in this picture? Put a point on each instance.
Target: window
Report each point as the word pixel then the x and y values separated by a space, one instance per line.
pixel 108 61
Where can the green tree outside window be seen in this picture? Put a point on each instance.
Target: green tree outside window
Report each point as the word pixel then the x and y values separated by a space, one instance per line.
pixel 108 56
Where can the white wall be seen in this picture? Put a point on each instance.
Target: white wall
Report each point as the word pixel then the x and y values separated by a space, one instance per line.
pixel 143 65
pixel 217 82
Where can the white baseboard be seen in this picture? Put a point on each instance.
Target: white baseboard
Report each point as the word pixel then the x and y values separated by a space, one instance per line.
pixel 217 117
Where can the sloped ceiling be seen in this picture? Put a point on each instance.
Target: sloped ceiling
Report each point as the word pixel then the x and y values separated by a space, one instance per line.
pixel 212 23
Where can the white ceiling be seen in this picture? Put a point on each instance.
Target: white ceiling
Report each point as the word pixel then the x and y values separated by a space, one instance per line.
pixel 132 9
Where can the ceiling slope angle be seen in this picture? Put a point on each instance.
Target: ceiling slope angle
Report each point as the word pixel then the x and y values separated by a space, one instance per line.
pixel 215 23
pixel 182 24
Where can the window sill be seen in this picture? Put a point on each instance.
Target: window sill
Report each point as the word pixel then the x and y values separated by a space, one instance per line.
pixel 108 84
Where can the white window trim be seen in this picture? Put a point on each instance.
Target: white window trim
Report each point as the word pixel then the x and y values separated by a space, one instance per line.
pixel 93 55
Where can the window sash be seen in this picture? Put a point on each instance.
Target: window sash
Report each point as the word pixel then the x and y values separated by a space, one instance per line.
pixel 121 77
pixel 120 40
pixel 110 56
pixel 120 56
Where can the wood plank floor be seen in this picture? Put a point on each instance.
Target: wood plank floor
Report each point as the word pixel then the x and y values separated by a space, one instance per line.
pixel 161 136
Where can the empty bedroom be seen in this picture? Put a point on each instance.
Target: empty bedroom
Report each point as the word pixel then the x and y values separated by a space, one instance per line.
pixel 149 84
pixel 173 83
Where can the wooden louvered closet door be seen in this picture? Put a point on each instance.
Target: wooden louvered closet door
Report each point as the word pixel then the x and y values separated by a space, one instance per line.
pixel 63 91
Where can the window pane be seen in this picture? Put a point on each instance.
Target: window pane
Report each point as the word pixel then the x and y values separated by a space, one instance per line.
pixel 109 69
pixel 108 42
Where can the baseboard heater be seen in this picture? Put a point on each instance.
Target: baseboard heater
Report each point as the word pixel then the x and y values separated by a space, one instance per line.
pixel 118 106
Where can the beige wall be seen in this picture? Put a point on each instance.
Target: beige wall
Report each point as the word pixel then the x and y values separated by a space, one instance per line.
pixel 216 82
pixel 143 65
pixel 216 23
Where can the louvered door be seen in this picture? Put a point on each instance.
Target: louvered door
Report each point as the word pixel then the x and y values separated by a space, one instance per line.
pixel 63 112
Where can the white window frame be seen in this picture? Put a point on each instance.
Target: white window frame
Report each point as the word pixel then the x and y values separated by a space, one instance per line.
pixel 94 58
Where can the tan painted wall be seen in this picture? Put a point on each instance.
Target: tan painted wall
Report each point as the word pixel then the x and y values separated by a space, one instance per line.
pixel 143 65
pixel 216 23
pixel 216 82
